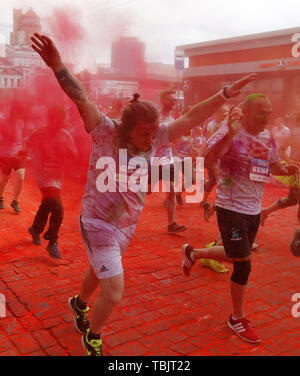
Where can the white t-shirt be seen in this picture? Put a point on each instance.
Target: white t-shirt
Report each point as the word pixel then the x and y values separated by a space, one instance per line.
pixel 120 209
pixel 182 147
pixel 295 143
pixel 164 153
pixel 235 190
pixel 280 135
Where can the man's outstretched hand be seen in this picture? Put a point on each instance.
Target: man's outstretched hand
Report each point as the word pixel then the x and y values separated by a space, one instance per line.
pixel 44 46
pixel 234 89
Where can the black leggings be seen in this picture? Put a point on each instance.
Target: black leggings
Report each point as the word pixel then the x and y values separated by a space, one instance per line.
pixel 51 204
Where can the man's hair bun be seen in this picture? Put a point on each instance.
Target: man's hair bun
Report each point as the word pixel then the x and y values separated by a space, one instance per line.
pixel 135 97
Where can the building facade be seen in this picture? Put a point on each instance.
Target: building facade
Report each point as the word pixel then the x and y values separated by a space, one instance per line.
pixel 274 56
pixel 10 77
pixel 24 25
pixel 128 56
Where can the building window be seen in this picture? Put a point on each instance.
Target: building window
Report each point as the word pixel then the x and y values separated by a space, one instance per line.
pixel 124 93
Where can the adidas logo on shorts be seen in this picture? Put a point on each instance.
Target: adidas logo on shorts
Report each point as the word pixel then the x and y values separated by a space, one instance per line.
pixel 103 269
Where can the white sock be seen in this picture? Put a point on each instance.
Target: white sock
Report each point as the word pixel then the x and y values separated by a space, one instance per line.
pixel 236 318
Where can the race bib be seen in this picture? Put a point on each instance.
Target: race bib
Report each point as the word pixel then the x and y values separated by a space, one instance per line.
pixel 259 170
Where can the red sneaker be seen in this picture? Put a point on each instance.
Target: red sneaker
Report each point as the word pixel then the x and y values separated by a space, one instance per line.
pixel 187 262
pixel 243 329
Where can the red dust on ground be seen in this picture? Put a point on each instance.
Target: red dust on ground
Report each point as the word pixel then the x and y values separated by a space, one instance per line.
pixel 162 312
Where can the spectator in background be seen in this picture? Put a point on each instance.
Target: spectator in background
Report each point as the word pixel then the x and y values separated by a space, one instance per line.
pixel 165 155
pixel 218 120
pixel 115 112
pixel 49 148
pixel 280 131
pixel 293 181
pixel 12 151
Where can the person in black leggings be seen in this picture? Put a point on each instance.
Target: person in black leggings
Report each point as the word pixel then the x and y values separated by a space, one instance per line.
pixel 50 147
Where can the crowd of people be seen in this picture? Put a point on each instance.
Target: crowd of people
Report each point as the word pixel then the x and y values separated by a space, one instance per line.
pixel 239 152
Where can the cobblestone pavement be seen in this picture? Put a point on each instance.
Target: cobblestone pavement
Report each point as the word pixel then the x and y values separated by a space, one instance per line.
pixel 162 312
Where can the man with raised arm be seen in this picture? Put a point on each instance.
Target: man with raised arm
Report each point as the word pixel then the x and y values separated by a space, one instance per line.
pixel 108 219
pixel 246 154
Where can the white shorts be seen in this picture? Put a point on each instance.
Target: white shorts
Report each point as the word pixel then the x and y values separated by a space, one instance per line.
pixel 105 247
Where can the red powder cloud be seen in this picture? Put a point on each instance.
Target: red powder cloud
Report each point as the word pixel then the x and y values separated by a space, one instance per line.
pixel 64 24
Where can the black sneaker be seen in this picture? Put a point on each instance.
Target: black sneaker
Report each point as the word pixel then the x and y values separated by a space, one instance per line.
pixel 187 262
pixel 2 203
pixel 15 205
pixel 80 315
pixel 295 244
pixel 53 250
pixel 92 347
pixel 174 228
pixel 35 237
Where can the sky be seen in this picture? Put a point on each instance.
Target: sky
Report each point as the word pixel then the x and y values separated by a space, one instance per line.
pixel 161 24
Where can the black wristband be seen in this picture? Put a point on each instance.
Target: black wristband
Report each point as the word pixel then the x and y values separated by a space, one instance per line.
pixel 224 92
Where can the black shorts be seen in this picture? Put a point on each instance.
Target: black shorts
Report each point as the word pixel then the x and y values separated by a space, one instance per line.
pixel 12 163
pixel 238 232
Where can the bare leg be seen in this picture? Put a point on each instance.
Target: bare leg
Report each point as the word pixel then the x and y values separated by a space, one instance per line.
pixel 3 183
pixel 237 297
pixel 213 253
pixel 237 290
pixel 205 197
pixel 89 284
pixel 20 174
pixel 110 295
pixel 267 211
pixel 219 240
pixel 171 204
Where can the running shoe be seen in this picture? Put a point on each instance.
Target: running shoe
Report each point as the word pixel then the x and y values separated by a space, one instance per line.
pixel 174 228
pixel 2 203
pixel 80 315
pixel 35 237
pixel 295 244
pixel 53 250
pixel 92 347
pixel 243 329
pixel 187 262
pixel 15 205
